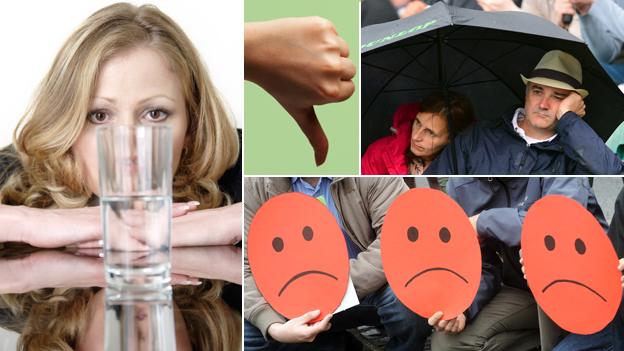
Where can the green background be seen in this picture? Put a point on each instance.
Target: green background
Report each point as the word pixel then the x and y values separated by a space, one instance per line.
pixel 274 144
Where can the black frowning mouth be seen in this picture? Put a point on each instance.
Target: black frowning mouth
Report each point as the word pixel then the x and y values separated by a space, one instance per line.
pixel 435 269
pixel 573 282
pixel 297 276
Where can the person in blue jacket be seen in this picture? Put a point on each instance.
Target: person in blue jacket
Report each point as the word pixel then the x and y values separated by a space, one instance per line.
pixel 602 28
pixel 546 136
pixel 507 318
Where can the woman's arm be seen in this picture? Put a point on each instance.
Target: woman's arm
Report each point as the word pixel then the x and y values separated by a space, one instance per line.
pixel 217 226
pixel 49 228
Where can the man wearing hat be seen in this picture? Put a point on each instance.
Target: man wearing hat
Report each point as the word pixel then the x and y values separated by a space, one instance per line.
pixel 546 136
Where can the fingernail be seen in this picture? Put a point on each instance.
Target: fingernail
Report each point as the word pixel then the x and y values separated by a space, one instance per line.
pixel 193 203
pixel 101 242
pixel 190 282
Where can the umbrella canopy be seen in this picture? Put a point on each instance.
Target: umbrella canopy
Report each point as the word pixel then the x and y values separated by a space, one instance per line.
pixel 479 54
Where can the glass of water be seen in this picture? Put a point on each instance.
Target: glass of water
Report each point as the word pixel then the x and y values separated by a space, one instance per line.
pixel 135 196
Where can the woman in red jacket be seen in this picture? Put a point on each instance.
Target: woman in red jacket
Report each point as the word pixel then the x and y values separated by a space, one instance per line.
pixel 420 132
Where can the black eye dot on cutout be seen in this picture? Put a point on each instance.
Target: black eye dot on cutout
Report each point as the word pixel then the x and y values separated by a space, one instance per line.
pixel 579 245
pixel 278 244
pixel 445 235
pixel 412 234
pixel 549 242
pixel 307 233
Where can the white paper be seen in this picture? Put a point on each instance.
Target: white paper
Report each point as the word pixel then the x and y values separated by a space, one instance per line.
pixel 350 299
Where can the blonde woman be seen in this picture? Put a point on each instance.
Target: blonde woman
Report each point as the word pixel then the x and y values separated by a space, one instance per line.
pixel 123 65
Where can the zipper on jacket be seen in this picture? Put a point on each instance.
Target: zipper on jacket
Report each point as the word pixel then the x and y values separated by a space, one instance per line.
pixel 524 155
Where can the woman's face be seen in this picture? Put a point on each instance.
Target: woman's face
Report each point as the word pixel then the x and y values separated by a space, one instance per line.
pixel 429 135
pixel 133 88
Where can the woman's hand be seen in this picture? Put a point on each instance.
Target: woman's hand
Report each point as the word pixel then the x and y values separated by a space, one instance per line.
pixel 215 262
pixel 51 228
pixel 217 226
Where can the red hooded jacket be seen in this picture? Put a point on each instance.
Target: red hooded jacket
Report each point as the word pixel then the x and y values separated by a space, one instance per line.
pixel 387 155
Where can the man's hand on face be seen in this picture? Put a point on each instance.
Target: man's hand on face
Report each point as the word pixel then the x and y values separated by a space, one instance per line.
pixel 298 330
pixel 573 102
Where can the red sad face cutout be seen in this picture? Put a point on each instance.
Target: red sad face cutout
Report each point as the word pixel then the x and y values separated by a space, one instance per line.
pixel 298 255
pixel 570 264
pixel 430 253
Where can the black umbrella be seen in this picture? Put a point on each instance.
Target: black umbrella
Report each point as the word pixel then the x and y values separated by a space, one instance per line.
pixel 479 54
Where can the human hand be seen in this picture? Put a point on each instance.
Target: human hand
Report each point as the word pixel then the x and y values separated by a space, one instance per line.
pixel 522 264
pixel 473 221
pixel 413 8
pixel 498 5
pixel 214 262
pixel 621 268
pixel 560 8
pixel 582 6
pixel 215 226
pixel 573 102
pixel 188 265
pixel 177 209
pixel 298 330
pixel 301 62
pixel 48 269
pixel 452 326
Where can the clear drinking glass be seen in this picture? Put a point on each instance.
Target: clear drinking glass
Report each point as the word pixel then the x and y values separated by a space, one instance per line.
pixel 135 196
pixel 140 325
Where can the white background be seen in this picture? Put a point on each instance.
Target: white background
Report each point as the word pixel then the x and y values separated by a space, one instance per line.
pixel 32 32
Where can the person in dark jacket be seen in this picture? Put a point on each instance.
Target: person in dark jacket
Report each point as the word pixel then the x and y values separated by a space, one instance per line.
pixel 616 235
pixel 507 318
pixel 546 136
pixel 420 132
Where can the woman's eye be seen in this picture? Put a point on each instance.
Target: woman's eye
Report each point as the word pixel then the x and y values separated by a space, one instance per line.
pixel 156 115
pixel 97 117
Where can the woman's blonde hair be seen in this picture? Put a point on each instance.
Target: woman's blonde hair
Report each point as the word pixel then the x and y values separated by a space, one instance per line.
pixel 50 175
pixel 54 319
